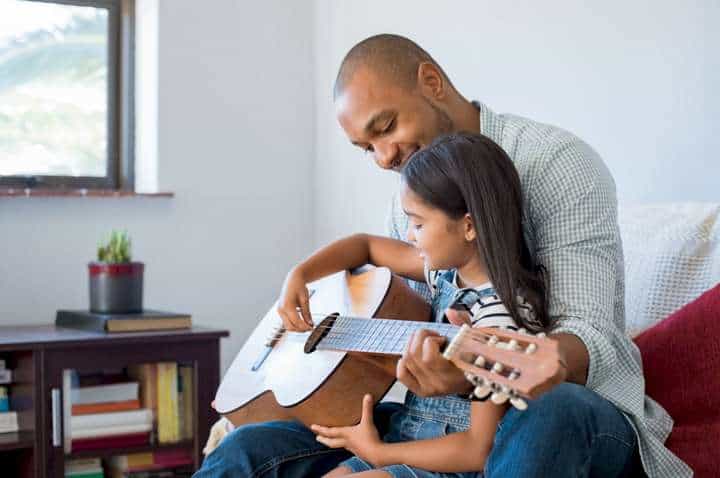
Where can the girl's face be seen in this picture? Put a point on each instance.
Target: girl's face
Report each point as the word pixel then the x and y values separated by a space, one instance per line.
pixel 443 242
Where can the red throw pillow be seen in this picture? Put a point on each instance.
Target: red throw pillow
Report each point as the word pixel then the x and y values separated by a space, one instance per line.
pixel 681 361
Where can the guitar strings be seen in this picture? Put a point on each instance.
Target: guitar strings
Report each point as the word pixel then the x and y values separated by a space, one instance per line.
pixel 340 331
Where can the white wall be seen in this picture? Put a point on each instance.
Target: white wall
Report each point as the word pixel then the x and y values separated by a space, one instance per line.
pixel 249 143
pixel 235 145
pixel 634 79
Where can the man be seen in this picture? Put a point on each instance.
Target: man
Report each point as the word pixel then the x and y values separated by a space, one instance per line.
pixel 392 99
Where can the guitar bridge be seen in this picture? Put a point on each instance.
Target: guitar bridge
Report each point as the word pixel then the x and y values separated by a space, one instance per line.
pixel 269 344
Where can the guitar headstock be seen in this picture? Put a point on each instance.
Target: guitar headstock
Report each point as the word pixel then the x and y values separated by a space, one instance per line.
pixel 505 364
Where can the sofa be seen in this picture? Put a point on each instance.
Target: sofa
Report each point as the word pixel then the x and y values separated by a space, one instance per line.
pixel 672 310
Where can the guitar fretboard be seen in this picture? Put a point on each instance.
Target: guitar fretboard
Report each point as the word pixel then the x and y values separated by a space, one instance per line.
pixel 384 336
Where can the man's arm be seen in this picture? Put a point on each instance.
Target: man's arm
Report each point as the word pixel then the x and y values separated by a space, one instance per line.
pixel 573 213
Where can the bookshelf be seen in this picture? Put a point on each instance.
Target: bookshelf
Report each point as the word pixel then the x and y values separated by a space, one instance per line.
pixel 38 355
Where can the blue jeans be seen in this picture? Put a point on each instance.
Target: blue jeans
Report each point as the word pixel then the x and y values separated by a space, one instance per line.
pixel 568 432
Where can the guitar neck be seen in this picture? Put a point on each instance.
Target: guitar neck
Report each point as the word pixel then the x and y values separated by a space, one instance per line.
pixel 380 336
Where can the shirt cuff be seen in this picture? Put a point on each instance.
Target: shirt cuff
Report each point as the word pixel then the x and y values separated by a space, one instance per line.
pixel 601 353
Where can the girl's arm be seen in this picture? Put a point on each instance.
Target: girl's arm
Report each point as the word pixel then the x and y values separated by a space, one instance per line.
pixel 456 452
pixel 348 253
pixel 360 249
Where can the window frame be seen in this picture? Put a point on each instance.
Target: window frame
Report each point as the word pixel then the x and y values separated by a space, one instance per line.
pixel 120 171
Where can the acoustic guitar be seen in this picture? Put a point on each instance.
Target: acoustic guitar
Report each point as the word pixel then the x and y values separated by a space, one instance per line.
pixel 367 319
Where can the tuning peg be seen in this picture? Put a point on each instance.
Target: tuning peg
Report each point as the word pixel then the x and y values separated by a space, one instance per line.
pixel 492 340
pixel 500 396
pixel 497 367
pixel 474 379
pixel 522 331
pixel 514 374
pixel 480 361
pixel 531 348
pixel 513 345
pixel 518 402
pixel 482 389
pixel 541 335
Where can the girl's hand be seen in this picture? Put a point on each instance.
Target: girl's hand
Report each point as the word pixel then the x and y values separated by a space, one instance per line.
pixel 362 439
pixel 294 303
pixel 457 317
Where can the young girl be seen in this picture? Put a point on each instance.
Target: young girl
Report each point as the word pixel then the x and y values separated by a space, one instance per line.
pixel 463 200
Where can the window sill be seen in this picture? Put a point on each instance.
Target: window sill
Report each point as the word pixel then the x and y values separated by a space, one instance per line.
pixel 77 193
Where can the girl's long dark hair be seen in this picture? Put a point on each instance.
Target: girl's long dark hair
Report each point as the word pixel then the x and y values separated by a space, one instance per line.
pixel 465 173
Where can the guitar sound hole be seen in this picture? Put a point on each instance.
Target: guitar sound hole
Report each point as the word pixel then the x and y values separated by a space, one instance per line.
pixel 320 332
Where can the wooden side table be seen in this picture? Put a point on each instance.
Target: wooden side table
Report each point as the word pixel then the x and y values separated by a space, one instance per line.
pixel 39 354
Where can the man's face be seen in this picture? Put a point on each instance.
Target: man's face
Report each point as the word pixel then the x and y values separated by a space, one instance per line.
pixel 386 121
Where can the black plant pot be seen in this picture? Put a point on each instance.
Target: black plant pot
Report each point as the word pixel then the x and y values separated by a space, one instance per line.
pixel 116 288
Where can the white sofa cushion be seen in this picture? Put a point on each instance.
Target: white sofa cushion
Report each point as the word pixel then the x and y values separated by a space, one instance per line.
pixel 672 255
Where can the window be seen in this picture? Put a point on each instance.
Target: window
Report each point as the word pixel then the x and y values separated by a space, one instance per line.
pixel 65 94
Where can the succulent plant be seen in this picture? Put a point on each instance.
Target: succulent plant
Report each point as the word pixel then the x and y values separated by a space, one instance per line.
pixel 116 250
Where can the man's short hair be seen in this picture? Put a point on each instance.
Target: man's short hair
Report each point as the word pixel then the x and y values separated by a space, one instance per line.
pixel 393 56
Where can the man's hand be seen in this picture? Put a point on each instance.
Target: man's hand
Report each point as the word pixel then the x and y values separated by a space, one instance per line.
pixel 362 439
pixel 424 370
pixel 574 357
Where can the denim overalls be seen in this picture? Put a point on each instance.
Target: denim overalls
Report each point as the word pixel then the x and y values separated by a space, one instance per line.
pixel 423 418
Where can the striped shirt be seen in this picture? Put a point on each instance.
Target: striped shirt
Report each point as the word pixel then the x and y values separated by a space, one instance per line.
pixel 486 308
pixel 570 226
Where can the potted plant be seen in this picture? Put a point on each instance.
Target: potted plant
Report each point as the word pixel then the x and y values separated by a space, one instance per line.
pixel 116 283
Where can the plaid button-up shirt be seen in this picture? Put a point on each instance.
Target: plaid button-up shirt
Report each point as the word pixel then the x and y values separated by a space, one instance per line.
pixel 570 225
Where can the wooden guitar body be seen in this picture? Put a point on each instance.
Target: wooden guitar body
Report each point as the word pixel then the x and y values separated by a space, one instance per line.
pixel 325 387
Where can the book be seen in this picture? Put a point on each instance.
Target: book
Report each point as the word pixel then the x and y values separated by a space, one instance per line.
pixel 5 375
pixel 143 321
pixel 116 441
pixel 87 474
pixel 120 465
pixel 172 457
pixel 186 401
pixel 167 403
pixel 115 430
pixel 8 422
pixel 105 407
pixel 113 392
pixel 84 468
pixel 69 377
pixel 146 375
pixel 4 400
pixel 132 461
pixel 111 419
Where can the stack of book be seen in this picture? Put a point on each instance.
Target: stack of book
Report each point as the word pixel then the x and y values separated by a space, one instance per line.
pixel 84 468
pixel 8 419
pixel 167 389
pixel 108 415
pixel 151 403
pixel 158 463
